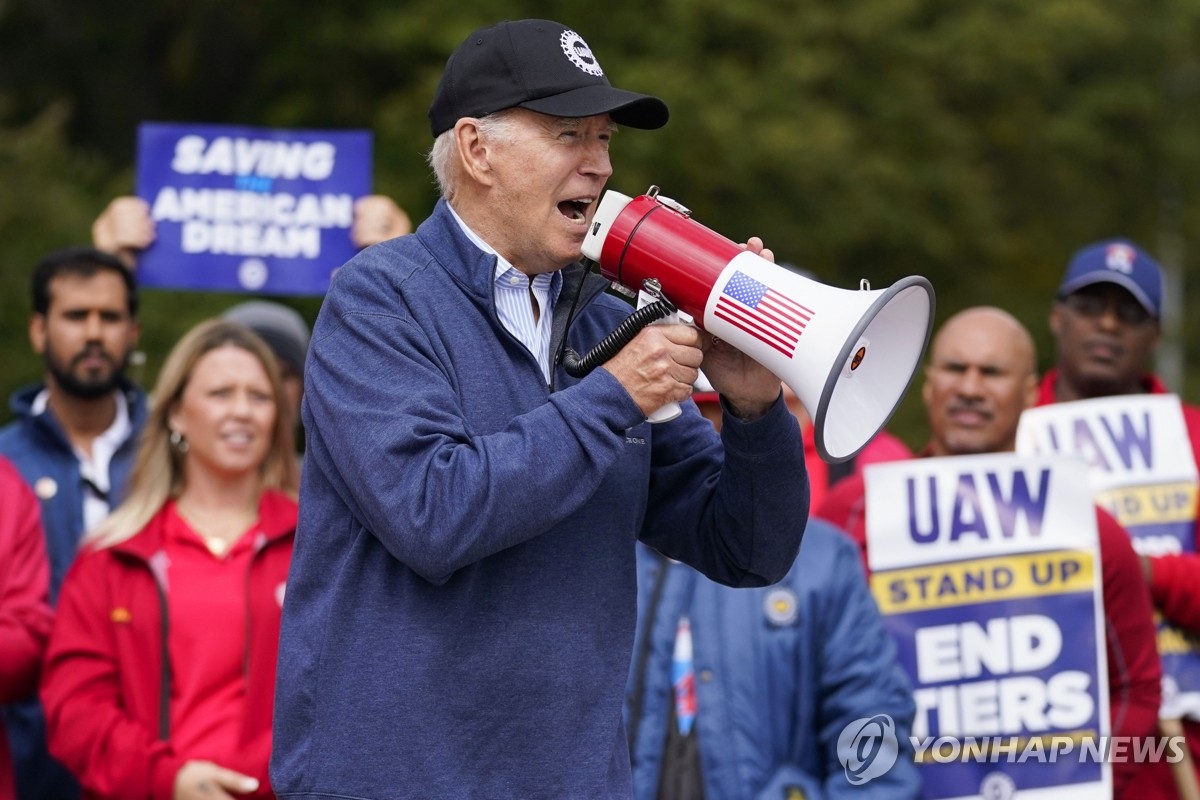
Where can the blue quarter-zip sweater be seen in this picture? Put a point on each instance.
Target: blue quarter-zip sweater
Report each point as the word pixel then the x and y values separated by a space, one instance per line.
pixel 462 597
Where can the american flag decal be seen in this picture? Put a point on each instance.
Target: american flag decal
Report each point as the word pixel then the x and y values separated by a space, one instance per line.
pixel 762 312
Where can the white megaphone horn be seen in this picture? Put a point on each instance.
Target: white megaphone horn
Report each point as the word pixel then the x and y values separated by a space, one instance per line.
pixel 848 355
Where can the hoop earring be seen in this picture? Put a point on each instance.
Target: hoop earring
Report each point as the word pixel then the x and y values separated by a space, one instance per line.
pixel 178 442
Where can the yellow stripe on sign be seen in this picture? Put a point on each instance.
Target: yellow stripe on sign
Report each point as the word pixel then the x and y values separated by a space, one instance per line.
pixel 1144 505
pixel 982 580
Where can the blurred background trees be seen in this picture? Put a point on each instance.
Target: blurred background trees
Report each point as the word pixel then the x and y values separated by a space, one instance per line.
pixel 978 144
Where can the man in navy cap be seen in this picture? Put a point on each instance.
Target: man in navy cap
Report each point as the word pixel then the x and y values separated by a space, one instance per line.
pixel 1106 321
pixel 460 610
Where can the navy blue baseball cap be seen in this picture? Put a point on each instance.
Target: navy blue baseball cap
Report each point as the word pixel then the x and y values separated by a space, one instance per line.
pixel 536 64
pixel 1118 261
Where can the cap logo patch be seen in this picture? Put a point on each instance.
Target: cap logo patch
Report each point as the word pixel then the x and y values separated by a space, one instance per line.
pixel 579 53
pixel 1120 258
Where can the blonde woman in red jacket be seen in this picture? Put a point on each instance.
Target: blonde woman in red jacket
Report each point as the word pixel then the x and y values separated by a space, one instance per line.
pixel 160 674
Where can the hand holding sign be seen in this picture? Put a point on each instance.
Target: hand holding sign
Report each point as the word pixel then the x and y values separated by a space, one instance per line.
pixel 377 218
pixel 249 209
pixel 125 228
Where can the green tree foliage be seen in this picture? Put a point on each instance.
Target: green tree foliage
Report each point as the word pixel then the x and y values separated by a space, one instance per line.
pixel 977 144
pixel 50 196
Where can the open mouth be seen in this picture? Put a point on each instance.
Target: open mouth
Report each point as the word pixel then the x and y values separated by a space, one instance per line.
pixel 237 439
pixel 575 210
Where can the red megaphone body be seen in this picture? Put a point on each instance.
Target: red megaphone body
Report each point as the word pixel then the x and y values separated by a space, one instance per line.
pixel 849 355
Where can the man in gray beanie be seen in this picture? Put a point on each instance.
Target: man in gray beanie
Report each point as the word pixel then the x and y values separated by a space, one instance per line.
pixel 286 332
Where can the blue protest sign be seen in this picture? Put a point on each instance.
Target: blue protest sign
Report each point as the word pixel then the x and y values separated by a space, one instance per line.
pixel 1142 470
pixel 246 209
pixel 986 571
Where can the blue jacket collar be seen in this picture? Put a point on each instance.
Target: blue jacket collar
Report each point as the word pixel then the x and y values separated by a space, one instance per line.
pixel 21 405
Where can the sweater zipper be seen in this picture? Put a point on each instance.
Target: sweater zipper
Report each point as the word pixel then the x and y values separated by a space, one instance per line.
pixel 248 626
pixel 164 665
pixel 164 692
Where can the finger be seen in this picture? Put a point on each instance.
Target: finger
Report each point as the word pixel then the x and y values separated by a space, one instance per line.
pixel 690 357
pixel 211 790
pixel 681 334
pixel 139 236
pixel 129 204
pixel 722 351
pixel 710 342
pixel 229 779
pixel 687 380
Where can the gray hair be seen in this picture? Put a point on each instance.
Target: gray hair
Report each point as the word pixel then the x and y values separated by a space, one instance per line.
pixel 442 158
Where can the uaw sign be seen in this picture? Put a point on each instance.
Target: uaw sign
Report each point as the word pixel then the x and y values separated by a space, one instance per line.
pixel 249 209
pixel 986 571
pixel 1142 470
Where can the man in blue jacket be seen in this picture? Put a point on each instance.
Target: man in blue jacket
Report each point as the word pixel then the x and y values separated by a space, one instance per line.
pixel 461 605
pixel 73 440
pixel 746 695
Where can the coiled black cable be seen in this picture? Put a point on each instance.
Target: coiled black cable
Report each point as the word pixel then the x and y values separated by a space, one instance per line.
pixel 610 345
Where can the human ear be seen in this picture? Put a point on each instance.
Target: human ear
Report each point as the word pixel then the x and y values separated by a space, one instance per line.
pixel 474 151
pixel 37 333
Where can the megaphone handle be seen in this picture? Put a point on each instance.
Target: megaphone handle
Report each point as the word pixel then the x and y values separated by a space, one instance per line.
pixel 665 414
pixel 671 410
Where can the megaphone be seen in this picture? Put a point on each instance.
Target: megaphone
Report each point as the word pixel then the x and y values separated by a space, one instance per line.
pixel 849 355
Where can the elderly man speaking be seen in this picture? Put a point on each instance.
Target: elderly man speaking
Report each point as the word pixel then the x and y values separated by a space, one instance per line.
pixel 461 606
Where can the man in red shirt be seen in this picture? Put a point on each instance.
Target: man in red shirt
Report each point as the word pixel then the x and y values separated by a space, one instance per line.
pixel 982 374
pixel 1106 321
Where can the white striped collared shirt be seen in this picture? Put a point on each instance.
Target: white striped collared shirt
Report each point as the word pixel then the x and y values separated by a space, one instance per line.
pixel 512 290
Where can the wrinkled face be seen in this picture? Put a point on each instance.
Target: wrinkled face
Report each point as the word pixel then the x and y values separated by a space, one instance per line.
pixel 87 334
pixel 1105 339
pixel 979 379
pixel 546 184
pixel 226 414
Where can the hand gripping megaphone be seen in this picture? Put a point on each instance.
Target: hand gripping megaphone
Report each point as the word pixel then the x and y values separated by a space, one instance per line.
pixel 849 355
